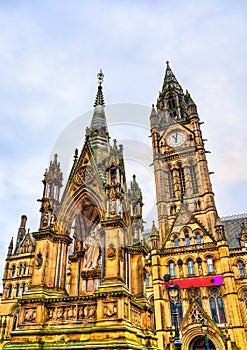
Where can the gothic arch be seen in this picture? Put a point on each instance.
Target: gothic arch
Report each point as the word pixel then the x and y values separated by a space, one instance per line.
pixel 84 203
pixel 191 332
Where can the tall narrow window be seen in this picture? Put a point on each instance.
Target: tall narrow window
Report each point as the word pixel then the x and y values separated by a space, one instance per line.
pixel 182 181
pixel 193 179
pixel 221 310
pixel 190 265
pixel 216 306
pixel 10 291
pixel 245 242
pixel 170 184
pixel 245 299
pixel 172 268
pixel 18 290
pixel 24 288
pixel 187 238
pixel 13 270
pixel 198 238
pixel 213 310
pixel 25 269
pixel 147 279
pixel 241 268
pixel 20 270
pixel 176 242
pixel 210 265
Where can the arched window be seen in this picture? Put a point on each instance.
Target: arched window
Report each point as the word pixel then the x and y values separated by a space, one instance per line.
pixel 187 238
pixel 195 295
pixel 10 291
pixel 176 242
pixel 245 241
pixel 198 238
pixel 18 288
pixel 172 269
pixel 210 265
pixel 24 289
pixel 245 299
pixel 20 270
pixel 216 306
pixel 13 270
pixel 190 265
pixel 241 268
pixel 25 269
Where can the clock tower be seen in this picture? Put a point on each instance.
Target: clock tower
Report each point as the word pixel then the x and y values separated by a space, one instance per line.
pixel 183 185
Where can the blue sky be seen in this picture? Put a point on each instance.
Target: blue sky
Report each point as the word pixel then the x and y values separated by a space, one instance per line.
pixel 51 51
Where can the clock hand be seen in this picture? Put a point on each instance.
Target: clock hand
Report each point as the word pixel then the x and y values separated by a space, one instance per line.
pixel 175 137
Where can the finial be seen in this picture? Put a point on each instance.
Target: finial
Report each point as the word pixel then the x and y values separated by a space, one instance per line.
pixel 100 77
pixel 76 154
pixel 167 62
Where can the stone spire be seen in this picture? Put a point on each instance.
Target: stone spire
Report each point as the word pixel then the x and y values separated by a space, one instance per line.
pixel 170 81
pixel 97 134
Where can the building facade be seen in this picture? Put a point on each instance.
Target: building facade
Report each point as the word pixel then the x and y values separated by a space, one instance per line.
pixel 87 278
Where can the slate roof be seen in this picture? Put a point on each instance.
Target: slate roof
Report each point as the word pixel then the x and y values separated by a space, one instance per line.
pixel 233 225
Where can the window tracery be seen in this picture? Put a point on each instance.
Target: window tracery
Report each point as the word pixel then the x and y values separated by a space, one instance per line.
pixel 216 306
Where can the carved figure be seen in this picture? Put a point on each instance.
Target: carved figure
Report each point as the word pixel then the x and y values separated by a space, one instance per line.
pixel 92 252
pixel 110 309
pixel 111 252
pixel 30 315
pixel 39 260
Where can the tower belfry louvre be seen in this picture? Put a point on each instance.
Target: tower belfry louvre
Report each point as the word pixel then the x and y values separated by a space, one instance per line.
pixel 87 279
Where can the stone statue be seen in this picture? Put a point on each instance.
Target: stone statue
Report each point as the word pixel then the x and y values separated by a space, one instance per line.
pixel 92 251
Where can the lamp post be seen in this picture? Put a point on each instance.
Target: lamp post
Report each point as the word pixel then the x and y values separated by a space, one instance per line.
pixel 173 292
pixel 204 330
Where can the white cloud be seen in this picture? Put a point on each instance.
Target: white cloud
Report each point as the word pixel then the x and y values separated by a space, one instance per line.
pixel 50 53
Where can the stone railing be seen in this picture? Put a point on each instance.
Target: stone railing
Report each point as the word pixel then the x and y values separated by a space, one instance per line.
pixel 186 249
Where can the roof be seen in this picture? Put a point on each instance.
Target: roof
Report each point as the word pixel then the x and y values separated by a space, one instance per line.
pixel 233 226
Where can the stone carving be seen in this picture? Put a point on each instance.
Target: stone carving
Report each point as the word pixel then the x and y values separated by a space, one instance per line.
pixel 68 278
pixel 89 311
pixel 135 317
pixel 126 310
pixel 111 252
pixel 71 313
pixel 110 309
pixel 29 315
pixel 39 260
pixel 92 252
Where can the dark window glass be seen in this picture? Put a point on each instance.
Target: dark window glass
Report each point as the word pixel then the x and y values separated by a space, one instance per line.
pixel 176 242
pixel 190 267
pixel 198 238
pixel 172 269
pixel 221 310
pixel 241 268
pixel 213 310
pixel 210 265
pixel 10 291
pixel 18 290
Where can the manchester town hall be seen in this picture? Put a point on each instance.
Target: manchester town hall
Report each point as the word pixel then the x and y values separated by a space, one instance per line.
pixel 87 279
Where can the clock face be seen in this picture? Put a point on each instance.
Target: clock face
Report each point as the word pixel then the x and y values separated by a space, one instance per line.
pixel 176 139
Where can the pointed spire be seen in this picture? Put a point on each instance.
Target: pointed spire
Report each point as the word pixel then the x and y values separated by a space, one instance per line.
pixel 10 248
pixel 99 101
pixel 154 231
pixel 170 81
